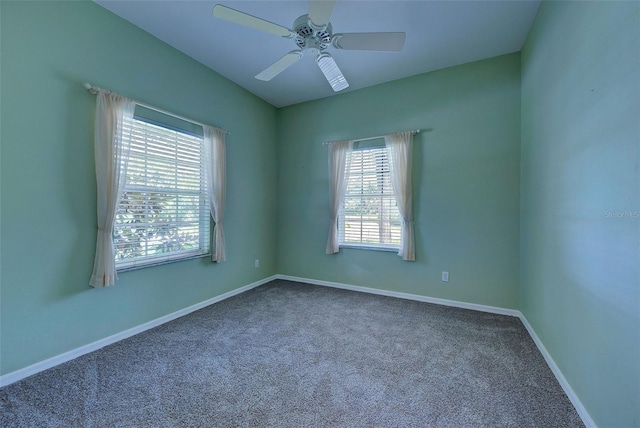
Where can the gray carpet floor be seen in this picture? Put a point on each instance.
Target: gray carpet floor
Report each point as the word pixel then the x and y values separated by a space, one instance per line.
pixel 293 355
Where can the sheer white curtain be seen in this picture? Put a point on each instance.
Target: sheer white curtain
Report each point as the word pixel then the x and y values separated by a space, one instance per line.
pixel 400 148
pixel 338 154
pixel 215 171
pixel 112 140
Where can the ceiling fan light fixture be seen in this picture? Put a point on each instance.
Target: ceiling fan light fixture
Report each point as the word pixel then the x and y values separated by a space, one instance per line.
pixel 331 71
pixel 313 33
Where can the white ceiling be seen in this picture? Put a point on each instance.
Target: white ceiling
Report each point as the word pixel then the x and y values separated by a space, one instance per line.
pixel 439 34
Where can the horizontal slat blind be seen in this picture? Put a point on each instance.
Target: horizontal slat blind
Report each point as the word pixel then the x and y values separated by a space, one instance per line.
pixel 369 215
pixel 164 212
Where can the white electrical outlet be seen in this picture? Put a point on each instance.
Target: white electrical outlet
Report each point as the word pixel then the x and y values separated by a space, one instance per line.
pixel 445 276
pixel 256 263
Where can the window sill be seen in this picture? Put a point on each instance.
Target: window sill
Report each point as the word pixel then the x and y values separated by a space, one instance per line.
pixel 370 248
pixel 144 265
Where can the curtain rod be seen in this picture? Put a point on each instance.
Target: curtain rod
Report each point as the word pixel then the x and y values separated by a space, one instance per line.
pixel 95 89
pixel 357 140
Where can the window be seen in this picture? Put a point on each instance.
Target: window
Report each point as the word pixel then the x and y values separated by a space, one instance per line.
pixel 369 216
pixel 164 213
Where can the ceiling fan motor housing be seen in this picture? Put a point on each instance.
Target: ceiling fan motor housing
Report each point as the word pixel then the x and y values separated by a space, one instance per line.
pixel 309 38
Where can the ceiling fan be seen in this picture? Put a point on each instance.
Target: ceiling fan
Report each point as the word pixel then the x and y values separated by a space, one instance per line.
pixel 313 33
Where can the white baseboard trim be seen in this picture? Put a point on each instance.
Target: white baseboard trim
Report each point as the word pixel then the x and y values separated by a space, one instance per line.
pixel 408 296
pixel 17 375
pixel 582 411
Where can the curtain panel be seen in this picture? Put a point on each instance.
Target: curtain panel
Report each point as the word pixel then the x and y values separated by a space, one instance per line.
pixel 112 141
pixel 400 148
pixel 215 171
pixel 338 154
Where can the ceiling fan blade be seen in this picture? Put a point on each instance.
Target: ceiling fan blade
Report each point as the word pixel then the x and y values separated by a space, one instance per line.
pixel 320 11
pixel 392 42
pixel 332 72
pixel 279 66
pixel 241 18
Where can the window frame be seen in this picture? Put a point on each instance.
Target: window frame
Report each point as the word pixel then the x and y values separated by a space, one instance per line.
pixel 204 225
pixel 372 246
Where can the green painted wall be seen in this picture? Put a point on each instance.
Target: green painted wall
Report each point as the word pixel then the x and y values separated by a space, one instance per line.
pixel 48 181
pixel 466 182
pixel 580 281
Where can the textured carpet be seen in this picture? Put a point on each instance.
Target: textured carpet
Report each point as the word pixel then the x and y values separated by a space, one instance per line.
pixel 294 355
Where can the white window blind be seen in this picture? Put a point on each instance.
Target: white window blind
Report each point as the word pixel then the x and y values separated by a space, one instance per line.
pixel 369 216
pixel 164 212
